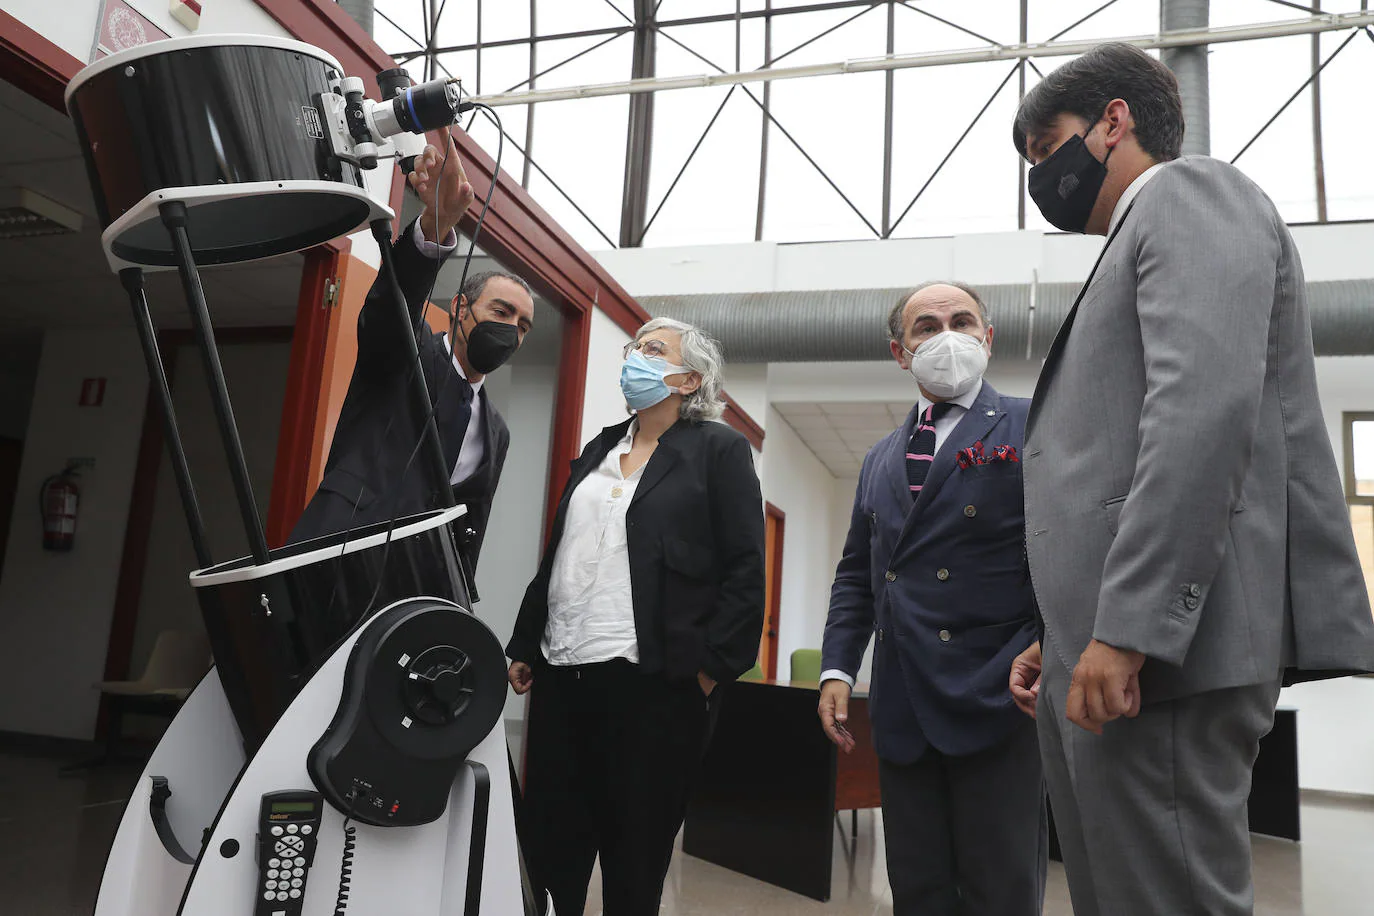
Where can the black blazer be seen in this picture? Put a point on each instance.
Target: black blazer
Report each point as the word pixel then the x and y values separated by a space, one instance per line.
pixel 379 424
pixel 695 532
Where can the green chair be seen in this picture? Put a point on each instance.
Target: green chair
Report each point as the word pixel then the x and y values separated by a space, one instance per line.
pixel 753 674
pixel 806 665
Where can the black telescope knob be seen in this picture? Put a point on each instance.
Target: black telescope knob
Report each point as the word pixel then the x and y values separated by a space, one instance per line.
pixel 392 81
pixel 438 685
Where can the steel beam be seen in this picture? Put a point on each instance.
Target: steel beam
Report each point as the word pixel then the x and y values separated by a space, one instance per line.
pixel 639 142
pixel 1332 22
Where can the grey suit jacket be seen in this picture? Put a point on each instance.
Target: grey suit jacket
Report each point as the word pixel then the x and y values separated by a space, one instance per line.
pixel 1182 497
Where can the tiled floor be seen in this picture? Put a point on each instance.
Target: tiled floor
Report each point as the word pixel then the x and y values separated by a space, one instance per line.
pixel 55 830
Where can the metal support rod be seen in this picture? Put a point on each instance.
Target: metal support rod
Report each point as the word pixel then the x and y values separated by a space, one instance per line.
pixel 132 278
pixel 690 156
pixel 639 142
pixel 739 37
pixel 957 143
pixel 430 56
pixel 1284 107
pixel 1318 155
pixel 419 389
pixel 1331 22
pixel 174 218
pixel 529 110
pixel 766 105
pixel 670 23
pixel 1021 160
pixel 889 89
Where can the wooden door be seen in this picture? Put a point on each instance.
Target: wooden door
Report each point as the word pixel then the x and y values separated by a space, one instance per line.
pixel 774 524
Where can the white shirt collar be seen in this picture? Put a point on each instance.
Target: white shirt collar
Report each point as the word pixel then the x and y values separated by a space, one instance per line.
pixel 1129 194
pixel 477 385
pixel 964 400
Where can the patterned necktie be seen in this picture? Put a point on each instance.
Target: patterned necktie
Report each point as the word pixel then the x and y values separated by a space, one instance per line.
pixel 920 451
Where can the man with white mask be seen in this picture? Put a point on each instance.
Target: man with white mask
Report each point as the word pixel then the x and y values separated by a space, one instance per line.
pixel 934 572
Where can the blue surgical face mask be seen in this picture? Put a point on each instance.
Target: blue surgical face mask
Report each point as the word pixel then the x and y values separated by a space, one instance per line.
pixel 641 380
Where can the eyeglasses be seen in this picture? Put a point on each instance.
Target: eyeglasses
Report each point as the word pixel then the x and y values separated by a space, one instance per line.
pixel 650 348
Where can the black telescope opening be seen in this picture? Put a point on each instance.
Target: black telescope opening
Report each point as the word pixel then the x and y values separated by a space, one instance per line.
pixel 245 228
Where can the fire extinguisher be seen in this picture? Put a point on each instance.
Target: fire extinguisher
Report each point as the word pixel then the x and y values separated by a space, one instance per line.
pixel 58 498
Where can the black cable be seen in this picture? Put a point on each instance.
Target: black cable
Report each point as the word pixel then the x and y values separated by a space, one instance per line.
pixel 346 866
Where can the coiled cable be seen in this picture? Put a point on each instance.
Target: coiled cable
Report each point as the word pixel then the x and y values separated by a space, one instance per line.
pixel 346 867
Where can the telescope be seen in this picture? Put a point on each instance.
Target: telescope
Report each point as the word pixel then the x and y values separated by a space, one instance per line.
pixel 341 755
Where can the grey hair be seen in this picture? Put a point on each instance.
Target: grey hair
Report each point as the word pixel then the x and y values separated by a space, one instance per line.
pixel 894 317
pixel 701 354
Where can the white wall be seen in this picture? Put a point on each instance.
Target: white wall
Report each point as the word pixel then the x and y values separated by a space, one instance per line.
pixel 747 383
pixel 796 482
pixel 602 404
pixel 55 607
pixel 524 394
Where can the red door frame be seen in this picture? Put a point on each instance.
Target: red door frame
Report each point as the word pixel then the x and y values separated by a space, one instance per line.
pixel 772 621
pixel 292 474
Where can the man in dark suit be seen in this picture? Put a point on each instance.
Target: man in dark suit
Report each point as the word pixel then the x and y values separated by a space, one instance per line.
pixel 934 570
pixel 373 472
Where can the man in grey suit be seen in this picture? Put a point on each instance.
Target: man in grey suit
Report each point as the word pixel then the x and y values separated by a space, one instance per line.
pixel 1188 539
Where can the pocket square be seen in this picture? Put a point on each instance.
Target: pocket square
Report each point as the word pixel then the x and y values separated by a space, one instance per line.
pixel 977 454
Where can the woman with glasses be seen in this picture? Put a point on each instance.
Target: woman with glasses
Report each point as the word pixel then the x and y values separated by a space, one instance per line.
pixel 649 595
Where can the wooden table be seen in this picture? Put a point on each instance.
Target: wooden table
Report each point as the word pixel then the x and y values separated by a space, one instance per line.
pixel 772 782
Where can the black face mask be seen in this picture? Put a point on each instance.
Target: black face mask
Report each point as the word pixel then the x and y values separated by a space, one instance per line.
pixel 1065 186
pixel 490 344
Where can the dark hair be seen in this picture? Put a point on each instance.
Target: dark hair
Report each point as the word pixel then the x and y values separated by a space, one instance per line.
pixel 894 317
pixel 477 284
pixel 1086 85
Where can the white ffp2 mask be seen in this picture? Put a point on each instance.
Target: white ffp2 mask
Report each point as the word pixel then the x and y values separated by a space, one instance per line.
pixel 949 364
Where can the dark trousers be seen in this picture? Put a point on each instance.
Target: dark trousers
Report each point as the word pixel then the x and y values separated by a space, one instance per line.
pixel 966 836
pixel 612 754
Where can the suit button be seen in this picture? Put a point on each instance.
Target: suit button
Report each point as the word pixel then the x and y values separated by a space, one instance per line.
pixel 970 511
pixel 1191 603
pixel 890 576
pixel 946 636
pixel 880 635
pixel 1195 591
pixel 942 574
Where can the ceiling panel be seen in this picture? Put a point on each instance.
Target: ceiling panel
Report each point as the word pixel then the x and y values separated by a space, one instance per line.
pixel 839 434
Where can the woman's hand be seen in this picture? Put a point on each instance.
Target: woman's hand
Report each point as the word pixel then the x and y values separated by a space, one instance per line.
pixel 521 677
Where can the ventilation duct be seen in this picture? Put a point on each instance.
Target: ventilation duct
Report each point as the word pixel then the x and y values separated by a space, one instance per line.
pixel 851 325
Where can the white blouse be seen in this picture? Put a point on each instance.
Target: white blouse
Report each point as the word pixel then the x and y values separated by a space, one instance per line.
pixel 591 610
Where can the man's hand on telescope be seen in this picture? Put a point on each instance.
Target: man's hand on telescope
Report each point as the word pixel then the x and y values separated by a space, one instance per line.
pixel 442 186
